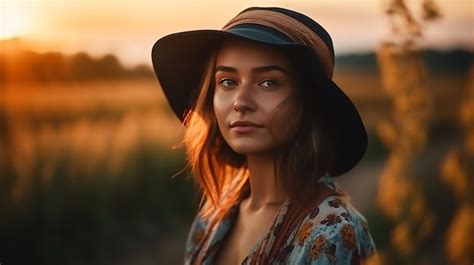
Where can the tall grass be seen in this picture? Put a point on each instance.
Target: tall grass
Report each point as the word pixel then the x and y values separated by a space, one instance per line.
pixel 457 171
pixel 422 211
pixel 399 195
pixel 85 169
pixel 83 177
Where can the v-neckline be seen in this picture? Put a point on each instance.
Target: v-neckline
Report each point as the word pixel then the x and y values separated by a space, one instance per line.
pixel 222 229
pixel 277 219
pixel 234 215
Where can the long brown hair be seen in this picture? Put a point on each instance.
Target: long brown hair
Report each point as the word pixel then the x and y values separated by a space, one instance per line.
pixel 222 174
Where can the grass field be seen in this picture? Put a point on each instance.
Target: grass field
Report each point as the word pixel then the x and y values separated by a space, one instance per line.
pixel 86 167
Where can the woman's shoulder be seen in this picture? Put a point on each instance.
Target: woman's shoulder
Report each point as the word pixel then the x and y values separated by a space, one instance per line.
pixel 204 227
pixel 196 234
pixel 331 232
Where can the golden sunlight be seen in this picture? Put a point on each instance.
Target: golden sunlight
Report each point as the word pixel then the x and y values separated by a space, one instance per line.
pixel 15 21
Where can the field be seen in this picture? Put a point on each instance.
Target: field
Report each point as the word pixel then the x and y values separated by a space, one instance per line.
pixel 86 168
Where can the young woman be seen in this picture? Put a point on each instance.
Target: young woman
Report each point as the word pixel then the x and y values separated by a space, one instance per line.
pixel 266 129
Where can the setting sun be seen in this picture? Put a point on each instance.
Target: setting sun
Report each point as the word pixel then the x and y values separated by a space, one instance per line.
pixel 15 21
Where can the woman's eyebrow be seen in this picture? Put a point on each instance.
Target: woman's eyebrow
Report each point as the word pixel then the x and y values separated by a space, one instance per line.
pixel 259 69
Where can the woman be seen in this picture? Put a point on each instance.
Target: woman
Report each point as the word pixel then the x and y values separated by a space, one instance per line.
pixel 266 129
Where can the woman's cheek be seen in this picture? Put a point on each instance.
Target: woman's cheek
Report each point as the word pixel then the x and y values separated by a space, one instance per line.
pixel 220 103
pixel 283 121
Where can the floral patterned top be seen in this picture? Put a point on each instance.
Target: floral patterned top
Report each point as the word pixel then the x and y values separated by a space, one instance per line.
pixel 328 231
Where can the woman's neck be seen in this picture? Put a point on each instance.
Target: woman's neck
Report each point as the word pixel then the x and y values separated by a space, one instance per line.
pixel 265 190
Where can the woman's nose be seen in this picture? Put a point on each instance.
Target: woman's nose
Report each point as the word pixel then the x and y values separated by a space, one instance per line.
pixel 243 101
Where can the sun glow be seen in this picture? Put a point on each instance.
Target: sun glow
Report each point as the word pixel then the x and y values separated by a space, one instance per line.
pixel 14 21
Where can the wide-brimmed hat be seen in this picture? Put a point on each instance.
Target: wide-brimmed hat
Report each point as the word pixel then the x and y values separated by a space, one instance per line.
pixel 179 62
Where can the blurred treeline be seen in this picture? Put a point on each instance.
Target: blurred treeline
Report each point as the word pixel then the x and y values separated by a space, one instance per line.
pixel 31 66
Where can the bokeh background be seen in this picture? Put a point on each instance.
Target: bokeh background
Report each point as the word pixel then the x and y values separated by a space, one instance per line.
pixel 90 166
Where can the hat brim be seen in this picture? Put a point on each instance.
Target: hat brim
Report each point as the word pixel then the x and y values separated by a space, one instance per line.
pixel 351 136
pixel 179 60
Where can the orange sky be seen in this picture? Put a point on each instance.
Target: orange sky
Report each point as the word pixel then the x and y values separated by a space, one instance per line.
pixel 129 28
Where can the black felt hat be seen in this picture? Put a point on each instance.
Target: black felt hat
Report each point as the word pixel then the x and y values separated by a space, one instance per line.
pixel 179 60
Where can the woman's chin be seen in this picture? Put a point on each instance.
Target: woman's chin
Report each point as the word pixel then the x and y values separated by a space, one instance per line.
pixel 250 150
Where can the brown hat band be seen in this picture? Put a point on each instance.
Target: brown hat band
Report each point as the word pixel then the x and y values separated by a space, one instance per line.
pixel 292 28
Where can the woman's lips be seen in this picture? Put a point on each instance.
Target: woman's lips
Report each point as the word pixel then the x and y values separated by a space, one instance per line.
pixel 244 126
pixel 244 129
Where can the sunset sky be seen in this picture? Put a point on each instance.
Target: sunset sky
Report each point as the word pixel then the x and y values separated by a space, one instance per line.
pixel 128 28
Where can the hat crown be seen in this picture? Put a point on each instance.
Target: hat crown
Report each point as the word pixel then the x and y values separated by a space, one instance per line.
pixel 297 27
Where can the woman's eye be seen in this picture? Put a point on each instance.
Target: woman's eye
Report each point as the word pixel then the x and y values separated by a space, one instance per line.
pixel 269 83
pixel 227 82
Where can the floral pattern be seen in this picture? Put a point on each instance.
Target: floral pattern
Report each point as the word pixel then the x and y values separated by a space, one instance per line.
pixel 317 248
pixel 304 232
pixel 330 232
pixel 348 236
pixel 336 202
pixel 331 219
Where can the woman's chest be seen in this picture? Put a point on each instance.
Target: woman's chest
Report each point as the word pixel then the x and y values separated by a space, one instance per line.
pixel 245 234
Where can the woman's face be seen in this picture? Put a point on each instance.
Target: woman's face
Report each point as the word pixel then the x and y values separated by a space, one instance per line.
pixel 253 97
